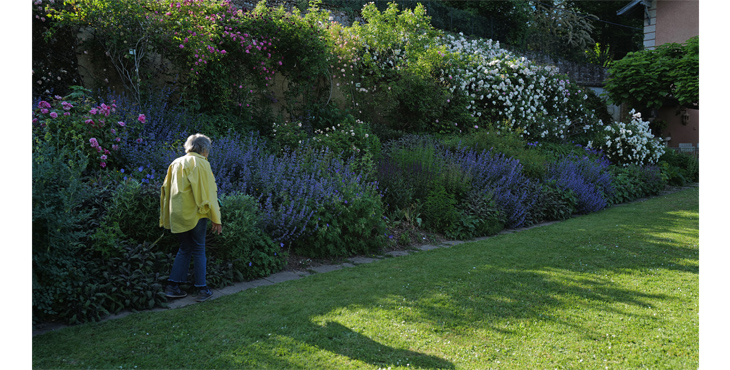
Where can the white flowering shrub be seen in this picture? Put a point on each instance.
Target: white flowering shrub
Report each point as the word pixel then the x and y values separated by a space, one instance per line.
pixel 630 143
pixel 520 96
pixel 400 71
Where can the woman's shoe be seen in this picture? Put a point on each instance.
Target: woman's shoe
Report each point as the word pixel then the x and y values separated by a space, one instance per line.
pixel 174 292
pixel 204 295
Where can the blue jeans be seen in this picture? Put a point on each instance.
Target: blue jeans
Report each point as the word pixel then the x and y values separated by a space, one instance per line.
pixel 192 246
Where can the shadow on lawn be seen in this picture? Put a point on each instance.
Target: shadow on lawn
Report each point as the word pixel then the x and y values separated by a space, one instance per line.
pixel 346 342
pixel 291 350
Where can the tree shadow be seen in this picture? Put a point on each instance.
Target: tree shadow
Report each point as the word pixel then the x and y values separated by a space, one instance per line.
pixel 344 341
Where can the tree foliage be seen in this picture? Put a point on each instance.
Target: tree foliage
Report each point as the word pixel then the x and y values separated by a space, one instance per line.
pixel 617 34
pixel 665 76
pixel 558 30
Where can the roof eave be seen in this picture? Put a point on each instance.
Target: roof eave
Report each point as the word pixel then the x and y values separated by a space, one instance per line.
pixel 629 7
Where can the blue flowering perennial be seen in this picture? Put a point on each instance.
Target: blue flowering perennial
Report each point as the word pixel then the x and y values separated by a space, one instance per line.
pixel 290 187
pixel 588 179
pixel 514 193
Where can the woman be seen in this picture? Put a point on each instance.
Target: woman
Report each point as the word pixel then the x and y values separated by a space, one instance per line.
pixel 189 198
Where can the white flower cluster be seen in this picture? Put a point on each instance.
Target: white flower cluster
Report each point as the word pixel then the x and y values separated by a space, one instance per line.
pixel 528 98
pixel 631 143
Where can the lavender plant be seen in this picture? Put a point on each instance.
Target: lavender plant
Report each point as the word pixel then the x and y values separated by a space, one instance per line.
pixel 588 178
pixel 502 176
pixel 291 187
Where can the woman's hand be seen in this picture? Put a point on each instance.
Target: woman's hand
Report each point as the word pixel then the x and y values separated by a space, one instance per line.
pixel 217 228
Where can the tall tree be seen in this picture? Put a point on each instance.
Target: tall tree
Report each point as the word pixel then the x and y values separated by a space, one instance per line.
pixel 618 34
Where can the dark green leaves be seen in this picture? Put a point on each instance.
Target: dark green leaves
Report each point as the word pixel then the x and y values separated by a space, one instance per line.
pixel 668 75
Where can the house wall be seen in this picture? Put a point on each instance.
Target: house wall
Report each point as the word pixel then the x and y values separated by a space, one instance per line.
pixel 678 131
pixel 677 20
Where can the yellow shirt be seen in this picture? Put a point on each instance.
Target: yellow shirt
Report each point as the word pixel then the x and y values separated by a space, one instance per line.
pixel 188 194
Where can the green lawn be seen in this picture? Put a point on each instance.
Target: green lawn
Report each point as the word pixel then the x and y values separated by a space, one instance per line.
pixel 617 289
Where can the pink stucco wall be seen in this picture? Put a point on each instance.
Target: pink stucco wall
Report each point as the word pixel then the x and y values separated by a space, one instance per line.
pixel 679 132
pixel 677 20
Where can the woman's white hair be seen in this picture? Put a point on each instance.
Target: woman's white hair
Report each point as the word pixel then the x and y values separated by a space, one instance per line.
pixel 197 143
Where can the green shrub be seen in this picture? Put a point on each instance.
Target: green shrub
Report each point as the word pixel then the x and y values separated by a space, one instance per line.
pixel 353 223
pixel 556 151
pixel 129 281
pixel 133 213
pixel 60 226
pixel 679 168
pixel 243 244
pixel 132 280
pixel 415 165
pixel 651 180
pixel 439 210
pixel 626 183
pixel 345 138
pixel 479 216
pixel 633 182
pixel 387 67
pixel 553 204
pixel 407 170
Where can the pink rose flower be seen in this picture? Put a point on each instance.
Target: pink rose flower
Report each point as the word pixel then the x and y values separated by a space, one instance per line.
pixel 142 118
pixel 120 123
pixel 54 114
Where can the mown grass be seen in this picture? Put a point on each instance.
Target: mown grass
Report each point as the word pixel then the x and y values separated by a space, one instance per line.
pixel 617 289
